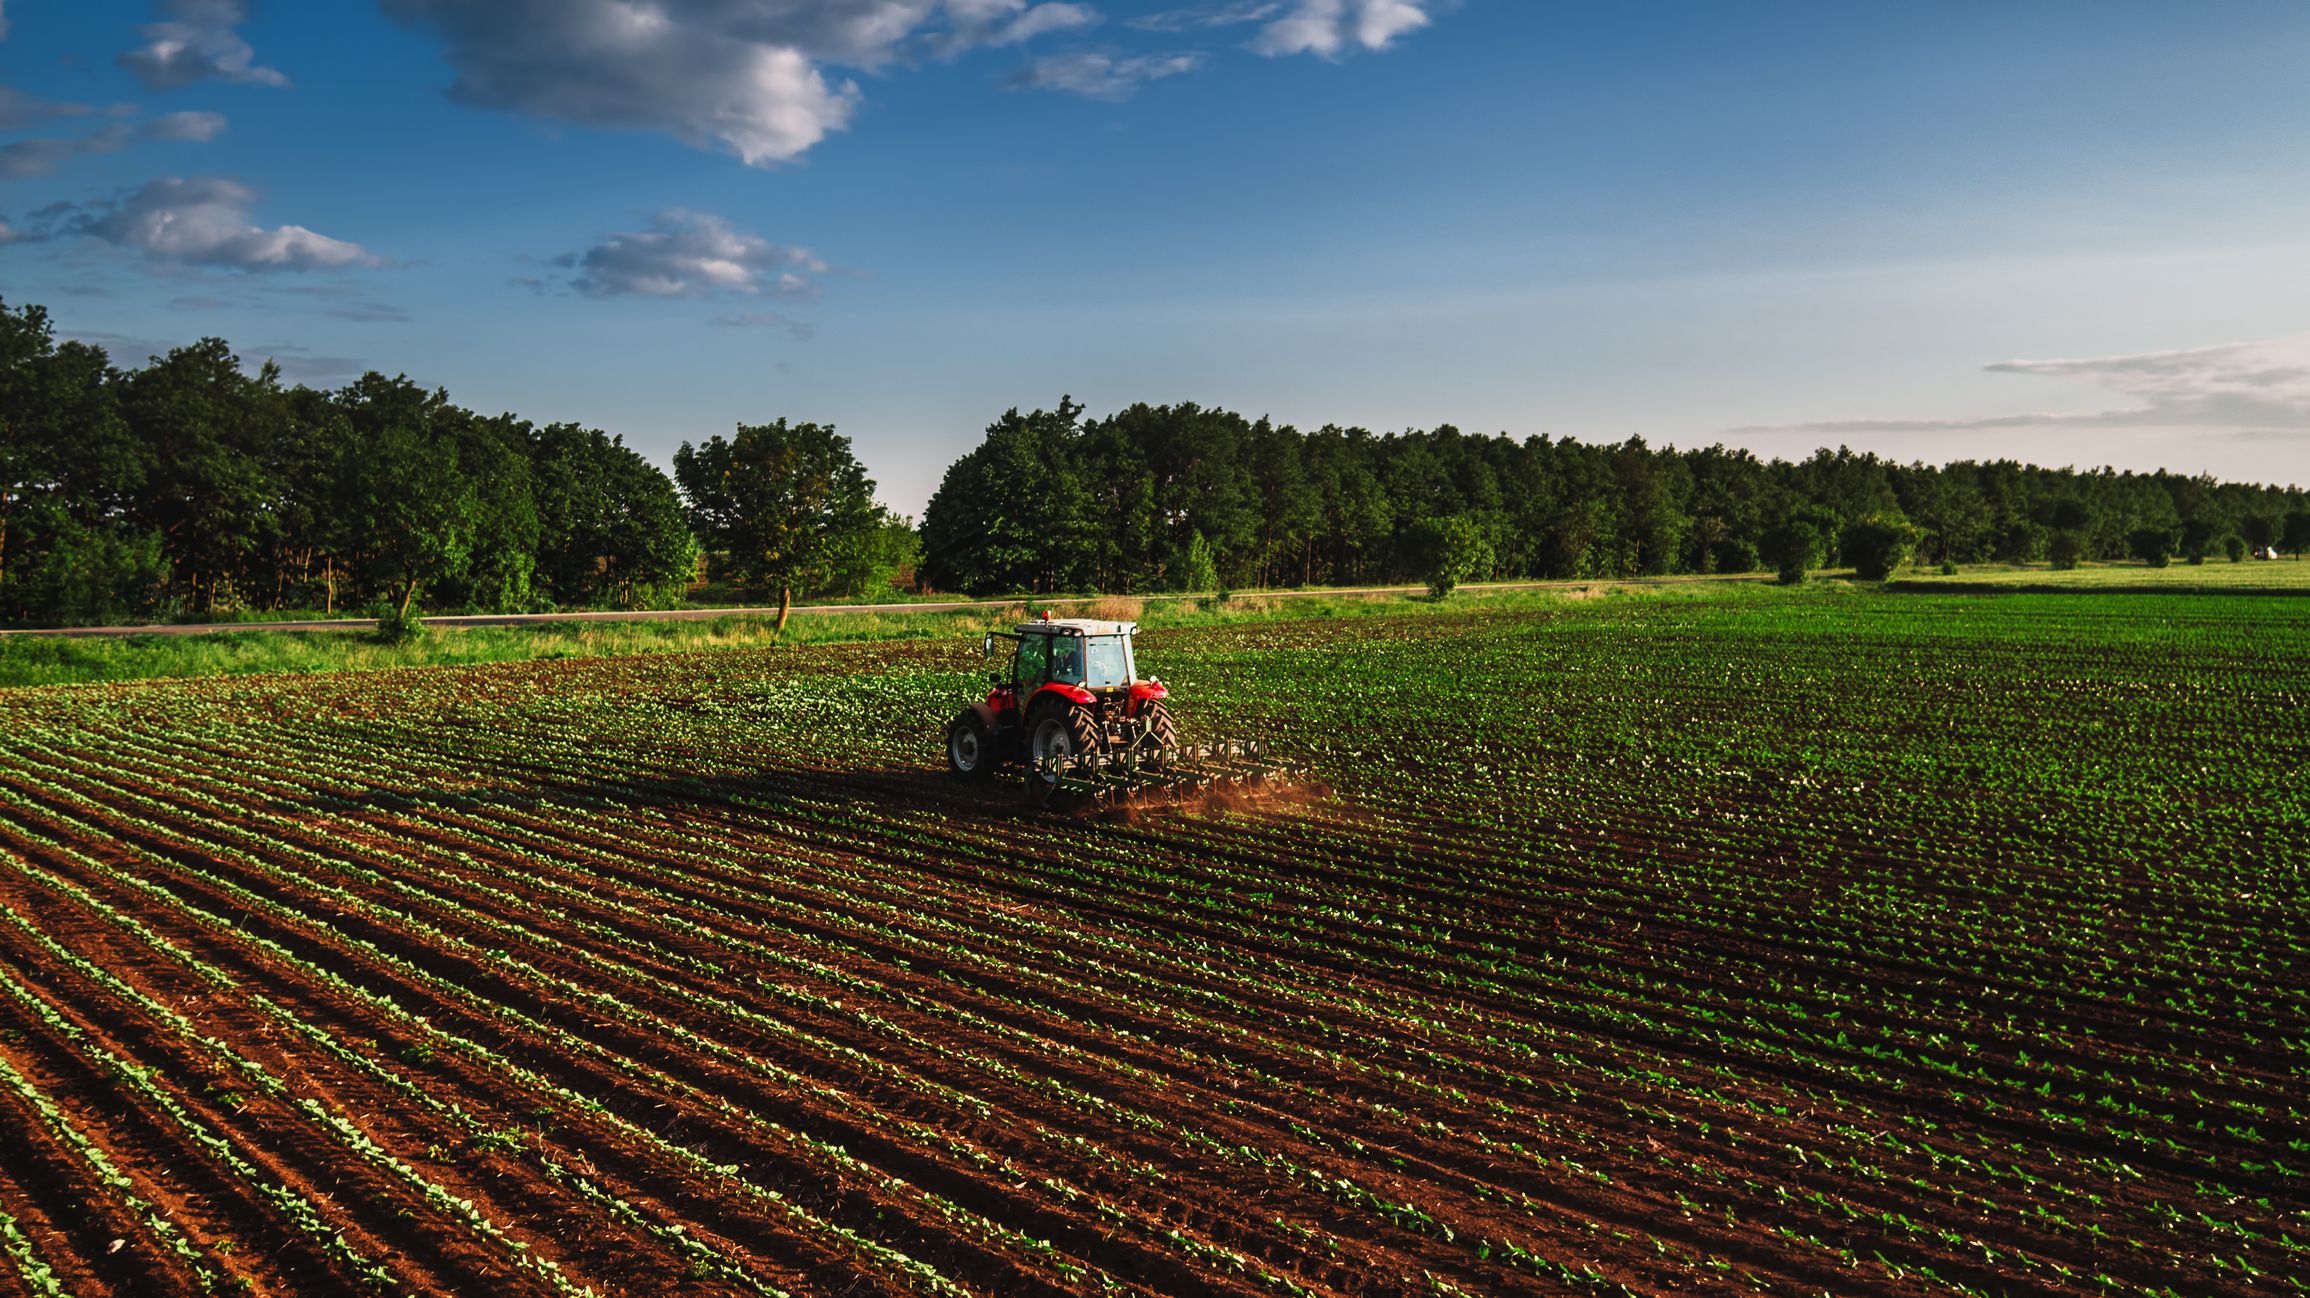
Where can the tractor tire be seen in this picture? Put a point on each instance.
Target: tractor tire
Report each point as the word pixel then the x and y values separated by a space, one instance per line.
pixel 1056 729
pixel 1156 729
pixel 970 750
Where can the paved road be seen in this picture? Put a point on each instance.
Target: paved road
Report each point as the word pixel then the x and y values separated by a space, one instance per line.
pixel 800 610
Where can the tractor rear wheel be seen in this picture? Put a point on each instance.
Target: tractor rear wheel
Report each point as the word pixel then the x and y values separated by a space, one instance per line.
pixel 1156 729
pixel 970 750
pixel 1060 730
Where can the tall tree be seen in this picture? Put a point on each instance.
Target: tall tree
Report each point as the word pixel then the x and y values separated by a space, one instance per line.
pixel 780 502
pixel 414 509
pixel 1015 514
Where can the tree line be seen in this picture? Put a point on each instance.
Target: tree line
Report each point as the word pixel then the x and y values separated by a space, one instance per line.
pixel 189 487
pixel 1181 497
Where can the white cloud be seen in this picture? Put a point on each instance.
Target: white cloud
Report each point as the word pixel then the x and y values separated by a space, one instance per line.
pixel 1212 15
pixel 196 41
pixel 204 220
pixel 745 74
pixel 692 254
pixel 1330 27
pixel 39 157
pixel 196 128
pixel 8 234
pixel 2236 388
pixel 1100 76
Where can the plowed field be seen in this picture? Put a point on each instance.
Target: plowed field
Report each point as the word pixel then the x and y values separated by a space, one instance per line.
pixel 1754 944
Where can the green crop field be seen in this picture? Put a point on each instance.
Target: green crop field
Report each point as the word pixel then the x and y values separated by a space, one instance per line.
pixel 1742 942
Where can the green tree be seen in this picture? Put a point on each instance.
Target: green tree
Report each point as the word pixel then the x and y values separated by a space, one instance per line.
pixel 1793 548
pixel 414 509
pixel 2199 536
pixel 779 502
pixel 865 562
pixel 1450 551
pixel 611 527
pixel 1799 542
pixel 2294 532
pixel 209 430
pixel 2152 545
pixel 1196 568
pixel 1015 515
pixel 2066 548
pixel 1877 545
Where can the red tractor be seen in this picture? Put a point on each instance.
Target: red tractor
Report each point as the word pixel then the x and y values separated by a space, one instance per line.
pixel 1067 702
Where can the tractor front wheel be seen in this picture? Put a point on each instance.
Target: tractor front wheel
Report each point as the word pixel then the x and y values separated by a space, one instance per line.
pixel 1057 732
pixel 970 751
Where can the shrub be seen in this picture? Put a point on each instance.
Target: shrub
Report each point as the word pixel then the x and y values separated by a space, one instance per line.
pixel 2152 545
pixel 397 627
pixel 1449 551
pixel 1197 569
pixel 1793 549
pixel 1877 545
pixel 2066 548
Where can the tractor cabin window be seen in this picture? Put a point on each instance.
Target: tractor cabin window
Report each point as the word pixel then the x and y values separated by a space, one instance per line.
pixel 1107 662
pixel 1034 658
pixel 1067 659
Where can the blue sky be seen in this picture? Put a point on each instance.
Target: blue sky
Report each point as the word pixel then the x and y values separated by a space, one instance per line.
pixel 2067 233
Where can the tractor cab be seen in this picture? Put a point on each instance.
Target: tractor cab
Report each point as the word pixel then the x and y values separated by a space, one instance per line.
pixel 1076 655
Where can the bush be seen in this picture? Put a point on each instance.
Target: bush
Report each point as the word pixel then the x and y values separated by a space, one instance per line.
pixel 2234 548
pixel 2198 539
pixel 2152 545
pixel 1948 568
pixel 1197 569
pixel 2066 549
pixel 1450 551
pixel 1793 549
pixel 2024 542
pixel 396 627
pixel 1877 545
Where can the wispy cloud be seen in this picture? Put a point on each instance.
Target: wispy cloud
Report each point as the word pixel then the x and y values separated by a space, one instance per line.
pixel 798 330
pixel 40 157
pixel 2245 389
pixel 1329 28
pixel 692 254
pixel 1102 76
pixel 1210 15
pixel 204 221
pixel 195 41
pixel 1007 22
pixel 19 110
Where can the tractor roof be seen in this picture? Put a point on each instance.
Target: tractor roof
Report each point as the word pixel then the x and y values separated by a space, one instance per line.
pixel 1077 626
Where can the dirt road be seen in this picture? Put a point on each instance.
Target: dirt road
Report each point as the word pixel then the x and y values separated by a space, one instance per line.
pixel 800 610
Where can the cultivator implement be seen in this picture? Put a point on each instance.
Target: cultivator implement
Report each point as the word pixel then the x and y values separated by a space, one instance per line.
pixel 1142 776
